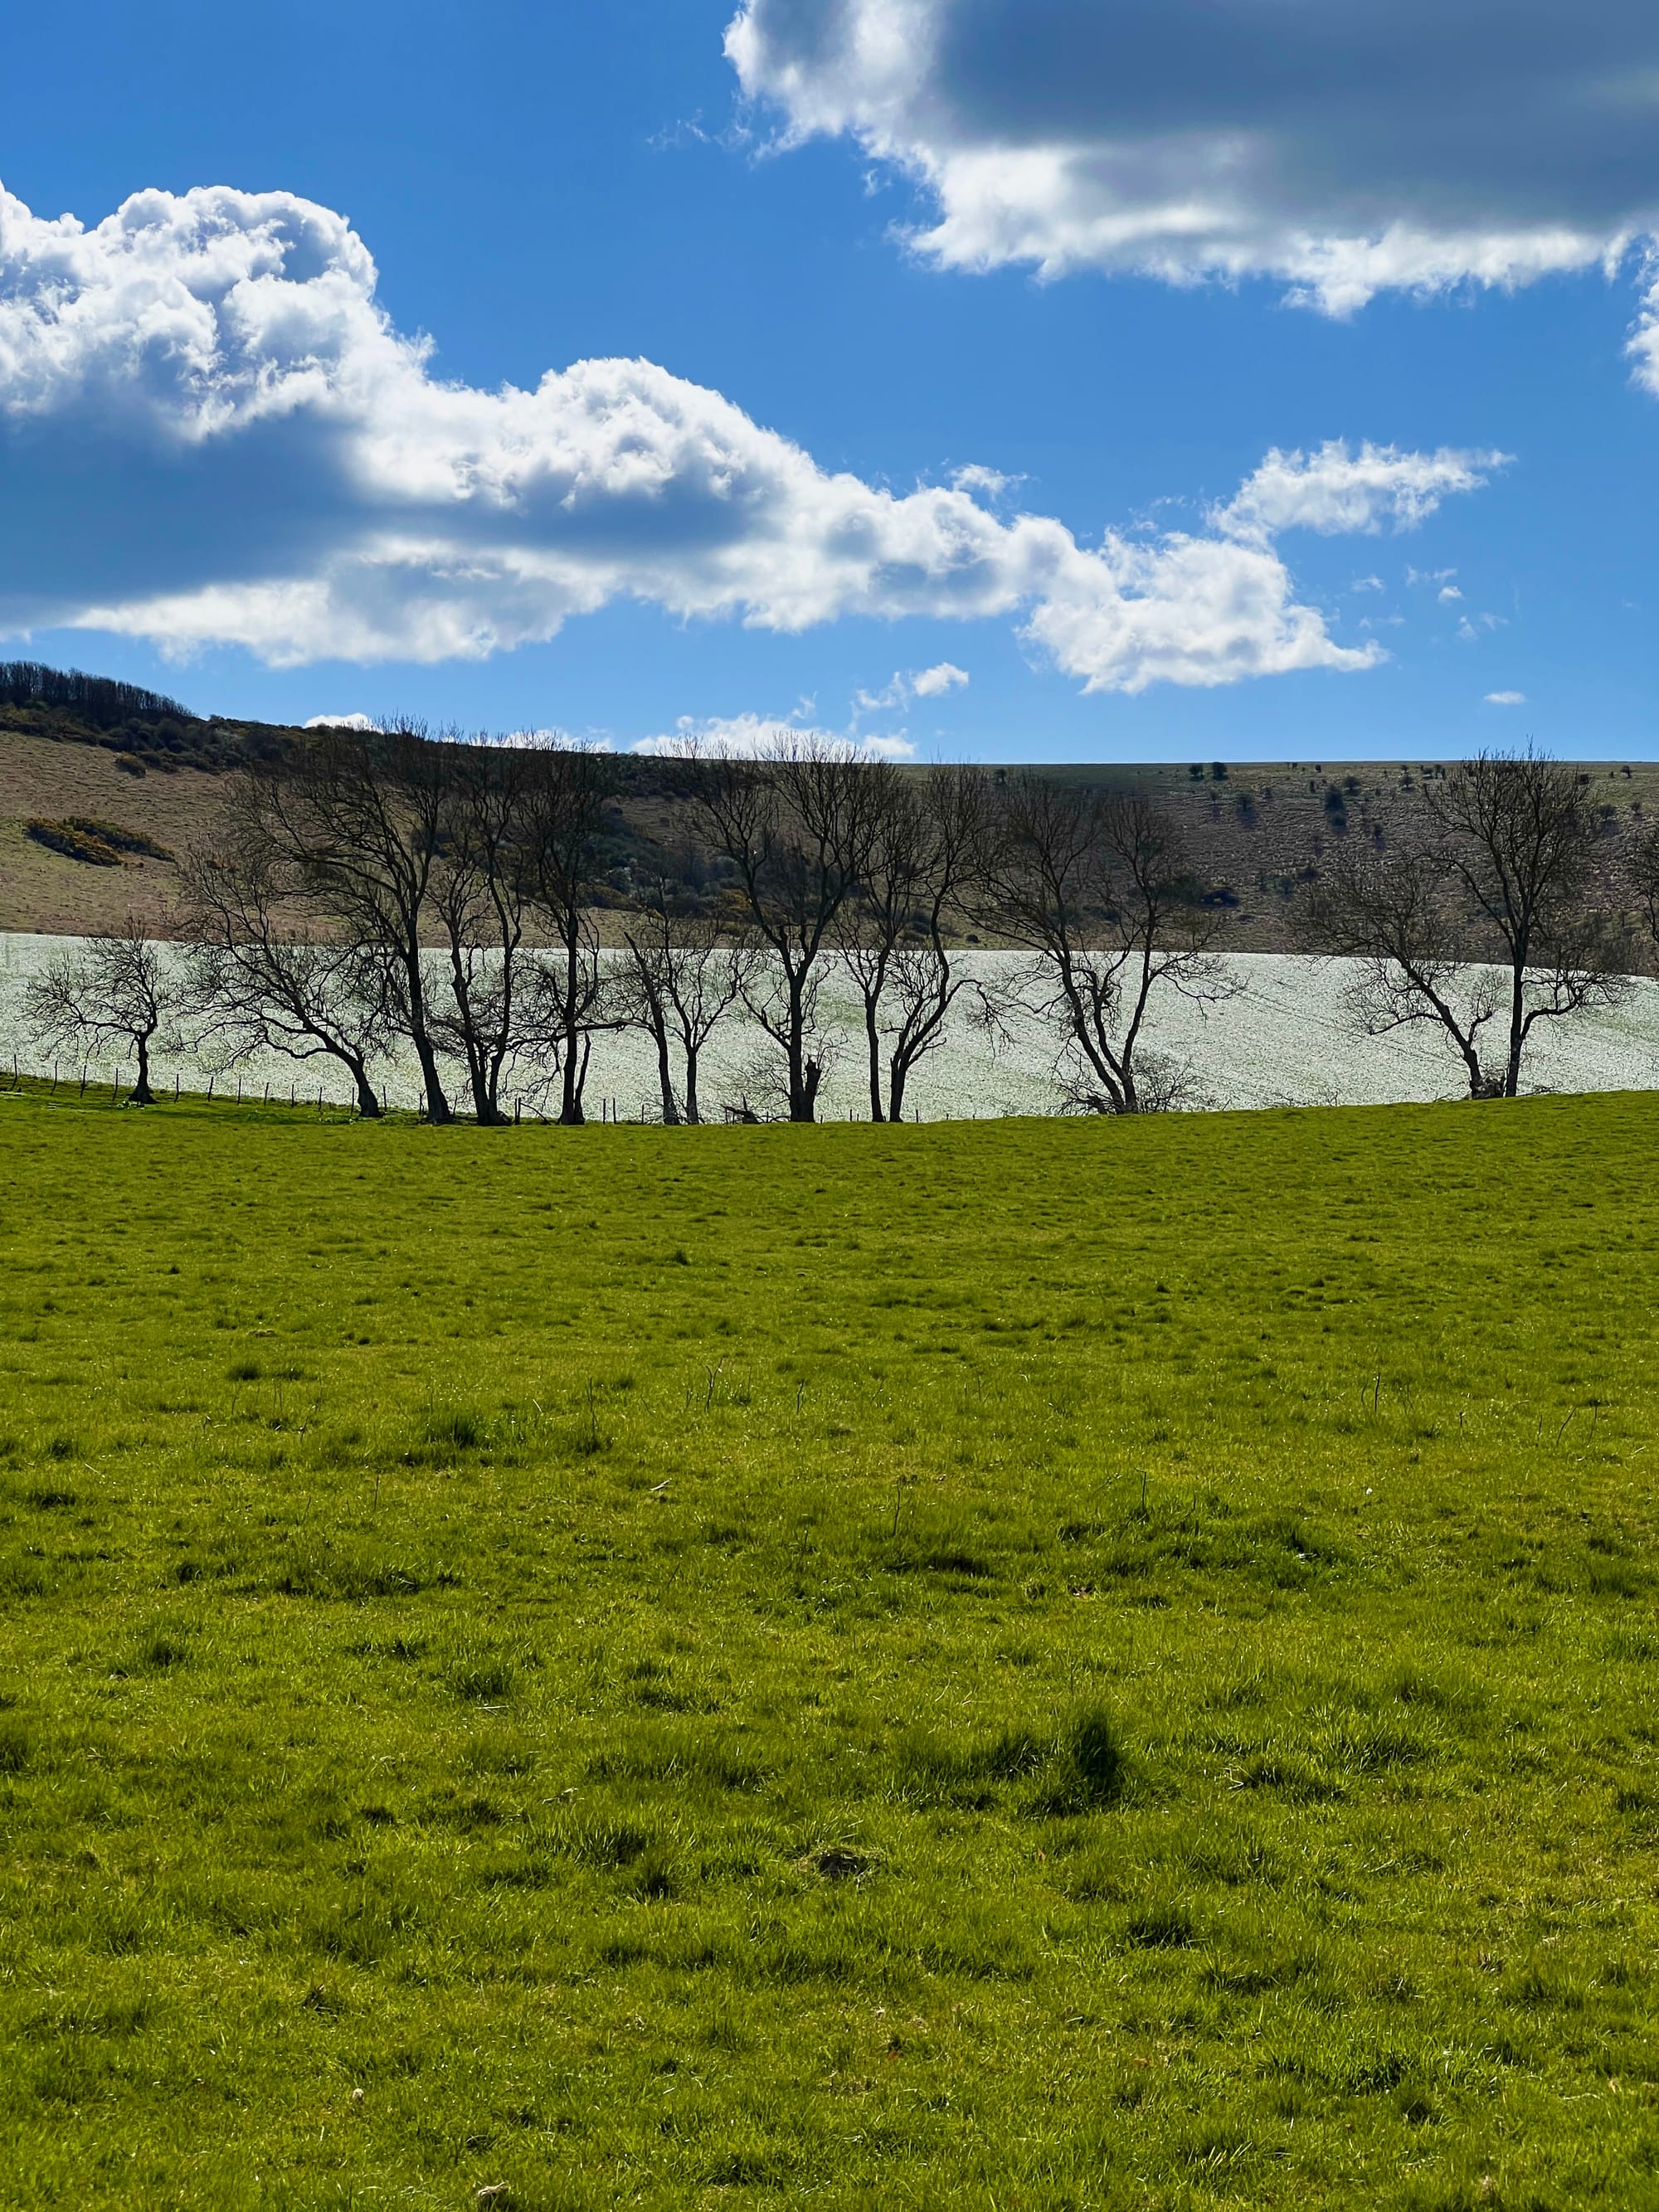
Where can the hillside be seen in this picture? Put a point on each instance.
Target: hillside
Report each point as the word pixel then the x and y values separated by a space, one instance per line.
pixel 161 781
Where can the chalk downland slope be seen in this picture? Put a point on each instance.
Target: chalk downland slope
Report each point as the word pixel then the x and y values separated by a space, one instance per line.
pixel 1253 828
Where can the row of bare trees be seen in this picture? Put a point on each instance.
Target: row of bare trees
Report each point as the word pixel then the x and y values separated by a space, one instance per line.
pixel 341 869
pixel 382 892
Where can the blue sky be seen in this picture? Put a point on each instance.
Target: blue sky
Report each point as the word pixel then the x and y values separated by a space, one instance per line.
pixel 853 267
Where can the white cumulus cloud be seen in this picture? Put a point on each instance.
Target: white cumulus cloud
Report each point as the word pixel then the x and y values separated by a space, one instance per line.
pixel 340 722
pixel 1344 148
pixel 1506 698
pixel 218 437
pixel 1336 491
pixel 934 682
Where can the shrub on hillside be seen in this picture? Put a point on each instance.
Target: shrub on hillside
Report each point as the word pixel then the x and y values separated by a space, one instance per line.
pixel 74 844
pixel 123 841
pixel 100 844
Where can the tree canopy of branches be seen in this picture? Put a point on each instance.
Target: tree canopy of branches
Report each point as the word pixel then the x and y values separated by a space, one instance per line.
pixel 1097 886
pixel 1483 925
pixel 392 839
pixel 117 989
pixel 568 796
pixel 1389 911
pixel 361 817
pixel 796 826
pixel 482 889
pixel 259 979
pixel 928 842
pixel 681 976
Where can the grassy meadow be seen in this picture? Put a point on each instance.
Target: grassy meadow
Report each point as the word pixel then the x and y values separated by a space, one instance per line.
pixel 1010 1665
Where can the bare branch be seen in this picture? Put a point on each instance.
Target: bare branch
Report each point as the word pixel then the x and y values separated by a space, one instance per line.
pixel 1097 887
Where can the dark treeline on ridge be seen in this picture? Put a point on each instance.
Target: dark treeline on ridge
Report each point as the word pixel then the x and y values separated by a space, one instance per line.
pixel 98 700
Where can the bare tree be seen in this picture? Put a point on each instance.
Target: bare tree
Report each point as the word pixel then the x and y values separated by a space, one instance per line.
pixel 681 976
pixel 361 817
pixel 482 888
pixel 257 977
pixel 1515 836
pixel 796 825
pixel 119 988
pixel 568 797
pixel 927 846
pixel 1391 913
pixel 1483 923
pixel 1097 886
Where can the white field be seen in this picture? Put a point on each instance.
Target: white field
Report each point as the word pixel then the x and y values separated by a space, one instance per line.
pixel 1284 1039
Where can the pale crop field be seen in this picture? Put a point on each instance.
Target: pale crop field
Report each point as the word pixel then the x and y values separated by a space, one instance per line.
pixel 1285 1039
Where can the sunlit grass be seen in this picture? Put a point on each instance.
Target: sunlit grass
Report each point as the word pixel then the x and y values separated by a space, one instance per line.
pixel 1005 1664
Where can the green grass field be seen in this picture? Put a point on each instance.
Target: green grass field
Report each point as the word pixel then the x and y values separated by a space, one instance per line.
pixel 1011 1665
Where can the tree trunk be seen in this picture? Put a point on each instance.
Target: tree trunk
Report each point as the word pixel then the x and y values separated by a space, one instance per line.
pixel 575 1073
pixel 576 1050
pixel 142 1094
pixel 570 1092
pixel 872 1035
pixel 804 1075
pixel 1517 1030
pixel 487 1097
pixel 369 1106
pixel 895 1090
pixel 438 1109
pixel 692 1115
pixel 484 1106
pixel 671 1111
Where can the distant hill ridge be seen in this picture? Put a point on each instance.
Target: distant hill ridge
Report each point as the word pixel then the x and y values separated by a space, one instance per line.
pixel 77 749
pixel 145 728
